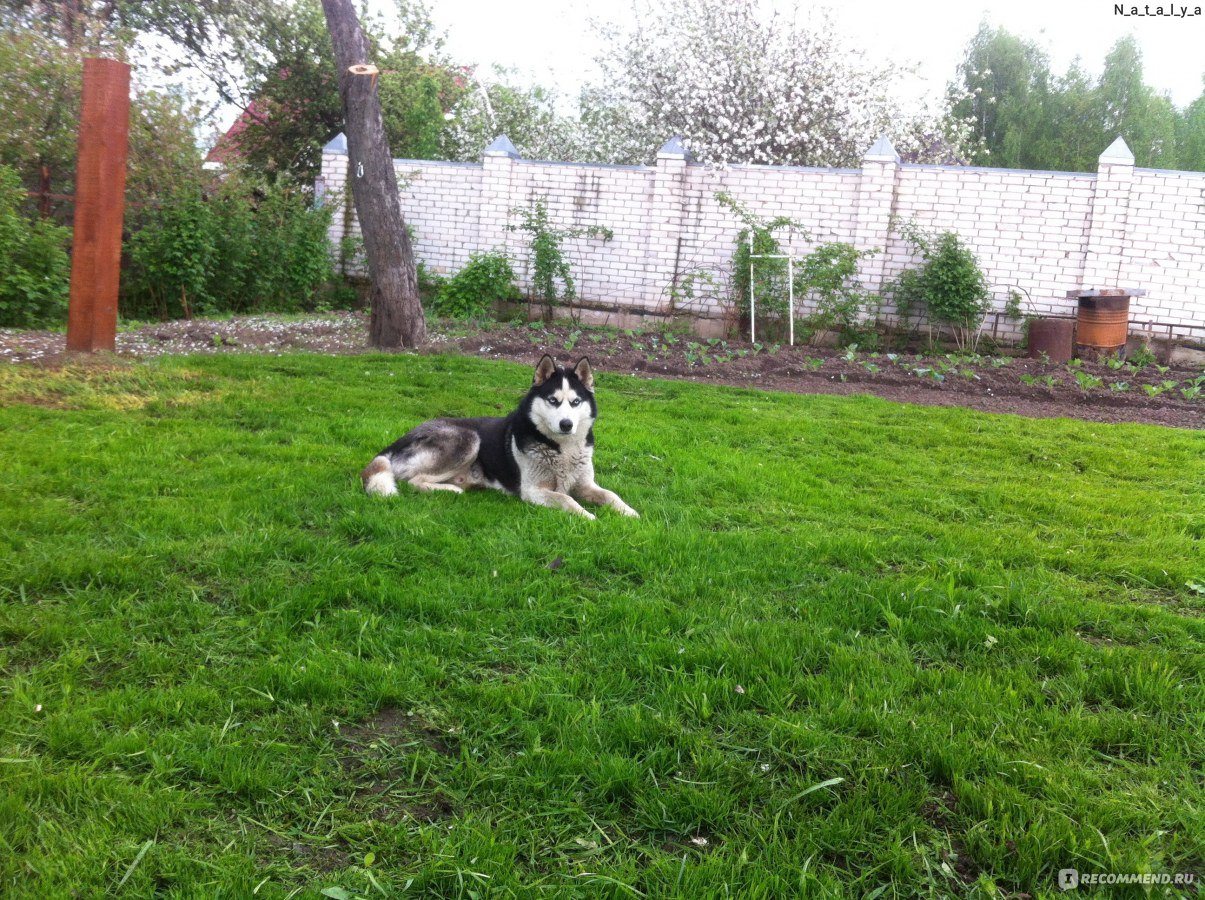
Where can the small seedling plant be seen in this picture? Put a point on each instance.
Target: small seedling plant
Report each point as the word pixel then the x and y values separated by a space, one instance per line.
pixel 1087 381
pixel 1154 390
pixel 1043 380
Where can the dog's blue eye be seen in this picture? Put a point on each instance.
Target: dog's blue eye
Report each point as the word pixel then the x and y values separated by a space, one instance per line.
pixel 553 402
pixel 575 402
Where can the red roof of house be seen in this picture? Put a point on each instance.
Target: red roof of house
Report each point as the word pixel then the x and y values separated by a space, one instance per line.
pixel 226 147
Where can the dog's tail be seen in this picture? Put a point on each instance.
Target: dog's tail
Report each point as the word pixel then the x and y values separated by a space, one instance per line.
pixel 378 477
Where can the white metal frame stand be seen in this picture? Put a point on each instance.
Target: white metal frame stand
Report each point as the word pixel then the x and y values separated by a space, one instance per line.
pixel 790 291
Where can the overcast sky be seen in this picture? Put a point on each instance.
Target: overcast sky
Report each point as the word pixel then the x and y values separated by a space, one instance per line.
pixel 552 42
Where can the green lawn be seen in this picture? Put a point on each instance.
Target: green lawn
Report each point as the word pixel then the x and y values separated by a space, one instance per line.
pixel 852 648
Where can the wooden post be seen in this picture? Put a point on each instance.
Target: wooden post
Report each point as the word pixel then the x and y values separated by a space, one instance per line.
pixel 100 186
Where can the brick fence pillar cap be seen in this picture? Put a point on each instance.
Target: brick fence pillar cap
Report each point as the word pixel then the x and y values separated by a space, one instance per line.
pixel 338 144
pixel 882 151
pixel 1118 153
pixel 674 149
pixel 502 146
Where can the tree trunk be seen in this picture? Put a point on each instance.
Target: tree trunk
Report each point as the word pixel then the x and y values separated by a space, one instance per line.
pixel 397 312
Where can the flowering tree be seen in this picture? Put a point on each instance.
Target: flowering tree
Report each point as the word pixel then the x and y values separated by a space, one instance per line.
pixel 542 123
pixel 744 84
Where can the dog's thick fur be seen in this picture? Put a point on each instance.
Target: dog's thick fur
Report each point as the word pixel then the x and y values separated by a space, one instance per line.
pixel 542 452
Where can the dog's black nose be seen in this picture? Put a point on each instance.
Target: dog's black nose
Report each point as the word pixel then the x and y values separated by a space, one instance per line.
pixel 566 425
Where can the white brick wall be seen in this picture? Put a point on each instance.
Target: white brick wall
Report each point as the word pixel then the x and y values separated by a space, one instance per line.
pixel 1046 232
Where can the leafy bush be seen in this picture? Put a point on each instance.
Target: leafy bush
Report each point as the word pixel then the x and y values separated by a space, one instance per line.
pixel 829 275
pixel 35 272
pixel 488 277
pixel 768 277
pixel 551 279
pixel 290 252
pixel 430 283
pixel 246 248
pixel 171 258
pixel 950 284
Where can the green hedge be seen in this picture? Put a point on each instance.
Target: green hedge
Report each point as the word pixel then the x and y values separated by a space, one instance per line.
pixel 245 247
pixel 35 271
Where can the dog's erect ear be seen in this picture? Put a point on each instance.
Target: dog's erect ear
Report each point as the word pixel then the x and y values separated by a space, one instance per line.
pixel 545 369
pixel 584 374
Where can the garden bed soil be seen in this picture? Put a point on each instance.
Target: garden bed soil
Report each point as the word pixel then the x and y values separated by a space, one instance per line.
pixel 1001 384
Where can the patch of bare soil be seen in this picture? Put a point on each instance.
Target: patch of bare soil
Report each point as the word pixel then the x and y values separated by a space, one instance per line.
pixel 1093 391
pixel 392 729
pixel 373 756
pixel 339 332
pixel 938 812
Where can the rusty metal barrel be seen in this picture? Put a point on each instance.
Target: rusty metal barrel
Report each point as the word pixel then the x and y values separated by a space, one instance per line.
pixel 1053 337
pixel 1102 323
pixel 1102 319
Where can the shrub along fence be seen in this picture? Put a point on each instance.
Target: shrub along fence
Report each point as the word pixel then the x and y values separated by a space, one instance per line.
pixel 238 247
pixel 228 245
pixel 34 268
pixel 1035 234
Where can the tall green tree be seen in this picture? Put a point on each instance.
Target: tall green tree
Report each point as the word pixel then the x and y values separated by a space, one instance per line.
pixel 1128 107
pixel 1005 85
pixel 1070 136
pixel 271 58
pixel 295 108
pixel 1026 117
pixel 40 80
pixel 1190 135
pixel 208 37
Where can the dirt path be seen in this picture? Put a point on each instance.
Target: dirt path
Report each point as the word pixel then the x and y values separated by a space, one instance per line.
pixel 1095 392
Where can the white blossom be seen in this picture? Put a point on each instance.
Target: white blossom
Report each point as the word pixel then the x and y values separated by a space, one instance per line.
pixel 739 82
pixel 742 83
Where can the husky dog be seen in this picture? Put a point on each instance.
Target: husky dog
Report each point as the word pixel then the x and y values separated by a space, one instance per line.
pixel 542 452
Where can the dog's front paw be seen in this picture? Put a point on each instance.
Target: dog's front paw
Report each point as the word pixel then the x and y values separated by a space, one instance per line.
pixel 588 514
pixel 629 512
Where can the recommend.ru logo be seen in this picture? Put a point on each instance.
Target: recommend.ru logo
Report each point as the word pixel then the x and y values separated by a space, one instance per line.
pixel 1069 879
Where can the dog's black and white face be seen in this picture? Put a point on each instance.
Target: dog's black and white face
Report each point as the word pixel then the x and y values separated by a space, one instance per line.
pixel 562 403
